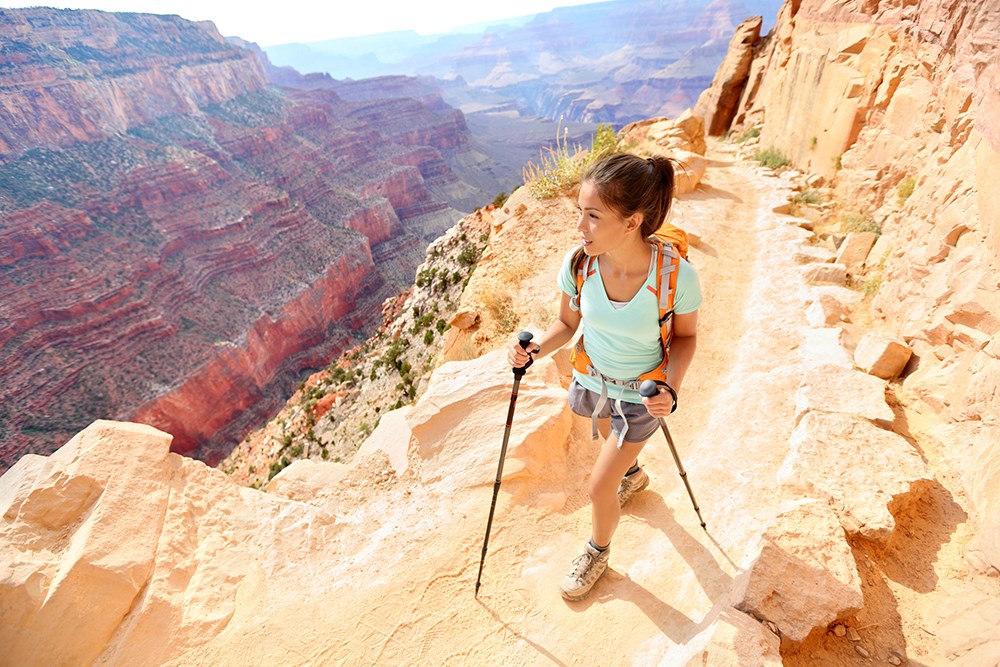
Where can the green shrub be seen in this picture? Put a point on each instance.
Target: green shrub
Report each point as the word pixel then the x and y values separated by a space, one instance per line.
pixel 428 336
pixel 750 133
pixel 807 197
pixel 771 158
pixel 499 200
pixel 468 256
pixel 857 222
pixel 562 167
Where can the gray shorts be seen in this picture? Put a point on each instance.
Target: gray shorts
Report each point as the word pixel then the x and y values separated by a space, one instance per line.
pixel 641 424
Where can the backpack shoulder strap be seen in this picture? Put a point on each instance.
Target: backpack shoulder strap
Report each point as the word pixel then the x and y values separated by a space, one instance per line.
pixel 667 267
pixel 584 271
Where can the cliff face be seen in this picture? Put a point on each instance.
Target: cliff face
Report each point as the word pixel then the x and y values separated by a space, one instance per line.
pixel 897 105
pixel 179 241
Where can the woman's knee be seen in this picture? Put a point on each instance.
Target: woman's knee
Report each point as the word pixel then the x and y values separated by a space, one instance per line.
pixel 601 488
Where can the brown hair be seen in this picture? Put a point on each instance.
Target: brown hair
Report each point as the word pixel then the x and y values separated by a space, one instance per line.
pixel 629 184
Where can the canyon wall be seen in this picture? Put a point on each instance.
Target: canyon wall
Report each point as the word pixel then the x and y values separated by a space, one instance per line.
pixel 180 240
pixel 897 105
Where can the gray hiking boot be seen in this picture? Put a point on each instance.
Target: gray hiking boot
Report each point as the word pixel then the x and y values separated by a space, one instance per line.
pixel 587 569
pixel 632 484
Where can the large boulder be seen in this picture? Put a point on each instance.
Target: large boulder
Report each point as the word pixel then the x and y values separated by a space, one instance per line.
pixel 804 575
pixel 837 389
pixel 882 356
pixel 459 423
pixel 866 472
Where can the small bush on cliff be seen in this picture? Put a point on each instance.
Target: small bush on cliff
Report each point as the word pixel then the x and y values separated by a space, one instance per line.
pixel 562 168
pixel 859 222
pixel 499 200
pixel 771 158
pixel 750 133
pixel 905 189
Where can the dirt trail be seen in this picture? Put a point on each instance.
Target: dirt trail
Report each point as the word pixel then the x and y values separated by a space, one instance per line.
pixel 397 588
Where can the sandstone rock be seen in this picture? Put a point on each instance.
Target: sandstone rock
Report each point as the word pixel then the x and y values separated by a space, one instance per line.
pixel 882 356
pixel 854 250
pixel 733 640
pixel 693 127
pixel 717 105
pixel 824 347
pixel 461 403
pixel 832 274
pixel 808 254
pixel 306 480
pixel 826 310
pixel 804 575
pixel 879 252
pixel 72 514
pixel 845 391
pixel 867 473
pixel 119 539
pixel 690 171
pixel 392 436
pixel 465 319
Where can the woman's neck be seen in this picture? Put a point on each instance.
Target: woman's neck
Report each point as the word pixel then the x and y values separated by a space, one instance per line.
pixel 628 258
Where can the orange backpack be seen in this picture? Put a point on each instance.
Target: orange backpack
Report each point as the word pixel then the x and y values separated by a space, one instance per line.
pixel 670 244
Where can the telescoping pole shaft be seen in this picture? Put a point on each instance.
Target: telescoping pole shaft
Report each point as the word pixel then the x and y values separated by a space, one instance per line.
pixel 524 338
pixel 647 389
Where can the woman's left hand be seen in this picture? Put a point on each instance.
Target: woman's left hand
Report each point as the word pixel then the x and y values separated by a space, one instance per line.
pixel 660 405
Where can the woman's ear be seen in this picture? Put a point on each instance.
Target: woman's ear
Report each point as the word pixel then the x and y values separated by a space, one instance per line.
pixel 634 221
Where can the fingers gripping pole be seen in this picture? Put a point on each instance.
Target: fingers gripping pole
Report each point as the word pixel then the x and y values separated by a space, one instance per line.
pixel 650 388
pixel 524 338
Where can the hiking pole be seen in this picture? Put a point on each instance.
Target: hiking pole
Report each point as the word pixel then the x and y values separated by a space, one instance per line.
pixel 524 338
pixel 650 388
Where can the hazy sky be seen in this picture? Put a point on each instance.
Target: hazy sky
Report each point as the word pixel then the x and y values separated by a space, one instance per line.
pixel 283 21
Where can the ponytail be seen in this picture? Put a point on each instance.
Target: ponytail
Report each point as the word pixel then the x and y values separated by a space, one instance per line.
pixel 630 184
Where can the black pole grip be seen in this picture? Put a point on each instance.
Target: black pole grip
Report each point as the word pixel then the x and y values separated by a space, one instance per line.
pixel 524 340
pixel 648 388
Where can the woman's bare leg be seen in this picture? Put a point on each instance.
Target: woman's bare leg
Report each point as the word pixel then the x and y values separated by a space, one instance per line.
pixel 611 465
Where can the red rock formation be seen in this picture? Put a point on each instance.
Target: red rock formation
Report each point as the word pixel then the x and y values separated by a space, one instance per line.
pixel 179 242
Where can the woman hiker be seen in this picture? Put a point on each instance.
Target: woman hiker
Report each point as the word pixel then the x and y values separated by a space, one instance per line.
pixel 623 200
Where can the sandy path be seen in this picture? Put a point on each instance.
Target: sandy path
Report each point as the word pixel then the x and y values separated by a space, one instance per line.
pixel 397 586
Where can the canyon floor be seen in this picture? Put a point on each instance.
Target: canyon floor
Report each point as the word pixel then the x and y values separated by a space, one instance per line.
pixel 394 585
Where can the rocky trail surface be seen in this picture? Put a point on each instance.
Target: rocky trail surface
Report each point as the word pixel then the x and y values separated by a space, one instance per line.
pixel 860 540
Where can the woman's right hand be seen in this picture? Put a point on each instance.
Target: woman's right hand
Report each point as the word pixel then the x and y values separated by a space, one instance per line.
pixel 517 356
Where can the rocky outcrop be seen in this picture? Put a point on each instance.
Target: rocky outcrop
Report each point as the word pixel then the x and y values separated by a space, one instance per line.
pixel 717 104
pixel 897 104
pixel 122 539
pixel 180 241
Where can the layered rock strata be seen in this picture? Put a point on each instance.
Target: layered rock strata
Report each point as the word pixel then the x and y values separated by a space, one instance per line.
pixel 180 240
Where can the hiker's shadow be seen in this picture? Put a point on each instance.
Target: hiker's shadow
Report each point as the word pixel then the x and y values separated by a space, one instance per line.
pixel 703 561
pixel 615 585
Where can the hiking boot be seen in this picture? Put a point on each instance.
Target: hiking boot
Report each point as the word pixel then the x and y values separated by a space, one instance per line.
pixel 587 569
pixel 632 484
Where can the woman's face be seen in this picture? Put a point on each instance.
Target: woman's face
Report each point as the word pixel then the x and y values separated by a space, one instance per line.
pixel 601 228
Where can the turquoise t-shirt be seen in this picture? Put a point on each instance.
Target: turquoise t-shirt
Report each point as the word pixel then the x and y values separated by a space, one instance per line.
pixel 623 343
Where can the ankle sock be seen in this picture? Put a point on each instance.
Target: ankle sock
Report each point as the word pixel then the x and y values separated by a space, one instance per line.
pixel 594 545
pixel 634 469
